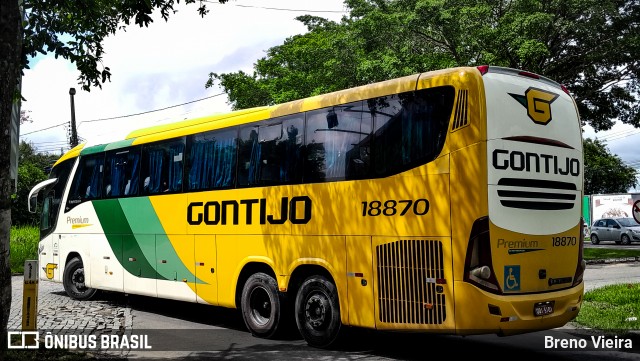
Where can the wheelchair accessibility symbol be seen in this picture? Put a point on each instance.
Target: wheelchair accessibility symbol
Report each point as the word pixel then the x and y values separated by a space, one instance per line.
pixel 512 278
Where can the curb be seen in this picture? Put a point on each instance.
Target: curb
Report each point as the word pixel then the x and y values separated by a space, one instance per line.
pixel 613 260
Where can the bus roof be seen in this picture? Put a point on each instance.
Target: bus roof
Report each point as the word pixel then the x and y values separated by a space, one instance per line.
pixel 74 152
pixel 246 116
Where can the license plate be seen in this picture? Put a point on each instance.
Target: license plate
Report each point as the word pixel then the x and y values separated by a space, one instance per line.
pixel 543 308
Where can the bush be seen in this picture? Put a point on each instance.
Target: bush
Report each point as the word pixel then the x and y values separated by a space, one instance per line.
pixel 24 246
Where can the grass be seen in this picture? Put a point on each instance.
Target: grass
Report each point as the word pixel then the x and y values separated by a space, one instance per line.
pixel 611 308
pixel 591 254
pixel 24 246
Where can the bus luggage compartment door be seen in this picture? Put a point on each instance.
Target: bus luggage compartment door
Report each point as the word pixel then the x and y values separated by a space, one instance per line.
pixel 413 283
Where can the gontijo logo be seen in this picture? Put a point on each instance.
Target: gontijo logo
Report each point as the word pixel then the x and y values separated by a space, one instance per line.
pixel 538 104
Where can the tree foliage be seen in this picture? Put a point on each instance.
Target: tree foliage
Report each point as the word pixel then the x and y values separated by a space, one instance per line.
pixel 33 168
pixel 592 47
pixel 604 172
pixel 73 30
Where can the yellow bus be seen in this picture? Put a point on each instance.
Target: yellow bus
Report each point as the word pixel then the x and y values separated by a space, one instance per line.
pixel 446 201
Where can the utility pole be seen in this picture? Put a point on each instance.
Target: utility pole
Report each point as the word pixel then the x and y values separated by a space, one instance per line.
pixel 74 134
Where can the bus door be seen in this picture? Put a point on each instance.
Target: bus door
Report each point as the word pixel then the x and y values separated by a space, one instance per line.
pixel 360 280
pixel 206 269
pixel 48 267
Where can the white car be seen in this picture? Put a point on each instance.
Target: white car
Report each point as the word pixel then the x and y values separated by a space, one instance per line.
pixel 618 230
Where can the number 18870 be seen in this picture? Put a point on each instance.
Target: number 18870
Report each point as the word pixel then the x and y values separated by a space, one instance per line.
pixel 391 207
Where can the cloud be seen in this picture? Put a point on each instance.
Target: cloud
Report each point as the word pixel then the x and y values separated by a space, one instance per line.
pixel 622 140
pixel 158 67
pixel 168 63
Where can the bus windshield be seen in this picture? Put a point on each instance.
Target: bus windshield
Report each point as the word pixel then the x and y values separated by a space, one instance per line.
pixel 53 196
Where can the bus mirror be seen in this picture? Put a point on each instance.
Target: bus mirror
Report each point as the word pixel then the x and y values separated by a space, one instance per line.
pixel 33 203
pixel 33 194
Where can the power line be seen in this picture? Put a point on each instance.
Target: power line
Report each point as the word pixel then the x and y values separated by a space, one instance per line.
pixel 55 141
pixel 280 9
pixel 622 131
pixel 149 111
pixel 126 116
pixel 612 137
pixel 39 130
pixel 296 10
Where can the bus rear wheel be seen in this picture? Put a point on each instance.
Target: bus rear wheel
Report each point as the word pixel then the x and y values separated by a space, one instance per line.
pixel 261 305
pixel 317 312
pixel 73 281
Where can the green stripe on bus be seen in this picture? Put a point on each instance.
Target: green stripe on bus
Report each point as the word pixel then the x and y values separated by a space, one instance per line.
pixel 93 150
pixel 135 254
pixel 142 219
pixel 119 144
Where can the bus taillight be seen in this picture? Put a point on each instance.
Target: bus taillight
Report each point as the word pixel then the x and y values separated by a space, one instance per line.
pixel 529 74
pixel 478 265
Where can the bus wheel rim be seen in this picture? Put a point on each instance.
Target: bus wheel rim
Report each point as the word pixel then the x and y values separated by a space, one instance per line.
pixel 78 279
pixel 260 304
pixel 317 310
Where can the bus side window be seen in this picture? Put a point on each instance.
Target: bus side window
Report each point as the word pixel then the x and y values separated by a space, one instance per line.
pixel 410 128
pixel 288 150
pixel 87 181
pixel 162 167
pixel 337 143
pixel 212 160
pixel 270 154
pixel 122 168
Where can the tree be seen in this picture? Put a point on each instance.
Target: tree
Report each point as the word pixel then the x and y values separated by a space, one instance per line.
pixel 25 117
pixel 590 46
pixel 86 24
pixel 605 172
pixel 33 168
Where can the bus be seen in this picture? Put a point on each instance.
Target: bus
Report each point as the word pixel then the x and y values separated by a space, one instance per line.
pixel 446 201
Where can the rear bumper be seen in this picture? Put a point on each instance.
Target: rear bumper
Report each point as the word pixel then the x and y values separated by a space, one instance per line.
pixel 480 312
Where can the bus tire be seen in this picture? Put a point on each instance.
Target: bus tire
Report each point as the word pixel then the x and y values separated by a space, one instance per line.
pixel 261 305
pixel 73 281
pixel 317 312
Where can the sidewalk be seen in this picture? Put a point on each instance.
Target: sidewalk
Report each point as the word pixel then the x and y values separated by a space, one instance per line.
pixel 107 313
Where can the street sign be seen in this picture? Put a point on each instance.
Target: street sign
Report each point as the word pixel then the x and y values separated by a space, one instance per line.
pixel 30 298
pixel 636 211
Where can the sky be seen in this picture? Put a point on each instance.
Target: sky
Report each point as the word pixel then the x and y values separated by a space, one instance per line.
pixel 166 66
pixel 622 140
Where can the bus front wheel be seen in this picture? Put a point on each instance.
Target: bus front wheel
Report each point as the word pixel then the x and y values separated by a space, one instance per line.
pixel 73 281
pixel 317 312
pixel 261 306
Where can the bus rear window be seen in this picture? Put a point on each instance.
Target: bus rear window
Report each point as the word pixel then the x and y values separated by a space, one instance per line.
pixel 409 128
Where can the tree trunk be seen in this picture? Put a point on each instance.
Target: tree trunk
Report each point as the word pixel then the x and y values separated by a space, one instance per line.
pixel 10 55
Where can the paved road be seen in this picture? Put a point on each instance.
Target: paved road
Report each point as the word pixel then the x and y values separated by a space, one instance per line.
pixel 175 322
pixel 57 311
pixel 598 275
